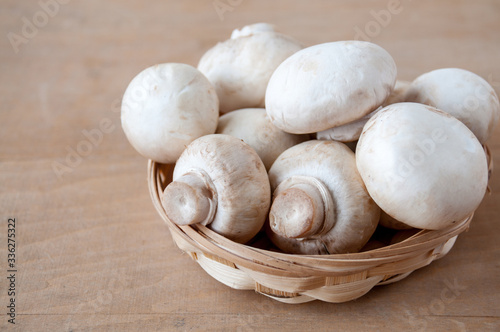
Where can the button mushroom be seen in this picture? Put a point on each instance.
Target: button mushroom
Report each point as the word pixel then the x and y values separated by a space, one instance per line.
pixel 328 85
pixel 240 67
pixel 389 222
pixel 348 132
pixel 221 182
pixel 320 204
pixel 351 131
pixel 253 126
pixel 166 107
pixel 461 93
pixel 422 166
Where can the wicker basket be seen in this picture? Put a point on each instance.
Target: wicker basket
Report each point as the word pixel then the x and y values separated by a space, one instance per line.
pixel 302 278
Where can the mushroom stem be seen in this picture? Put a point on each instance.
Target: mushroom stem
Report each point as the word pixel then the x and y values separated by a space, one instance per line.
pixel 302 208
pixel 190 199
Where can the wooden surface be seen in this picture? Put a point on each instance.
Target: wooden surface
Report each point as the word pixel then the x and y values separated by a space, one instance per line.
pixel 91 252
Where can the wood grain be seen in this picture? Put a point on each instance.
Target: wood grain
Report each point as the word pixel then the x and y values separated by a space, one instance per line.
pixel 93 255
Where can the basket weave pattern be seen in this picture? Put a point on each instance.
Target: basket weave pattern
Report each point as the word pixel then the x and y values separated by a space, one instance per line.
pixel 302 278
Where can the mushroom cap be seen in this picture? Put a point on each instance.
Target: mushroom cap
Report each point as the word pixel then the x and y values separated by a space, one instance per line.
pixel 240 181
pixel 422 166
pixel 167 106
pixel 333 164
pixel 348 132
pixel 240 67
pixel 328 85
pixel 461 93
pixel 351 131
pixel 254 127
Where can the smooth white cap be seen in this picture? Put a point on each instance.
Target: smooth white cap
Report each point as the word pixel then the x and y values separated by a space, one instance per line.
pixel 166 107
pixel 328 85
pixel 422 166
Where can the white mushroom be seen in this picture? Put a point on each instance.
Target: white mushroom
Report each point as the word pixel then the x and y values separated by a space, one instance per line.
pixel 351 131
pixel 221 182
pixel 389 222
pixel 422 166
pixel 240 67
pixel 461 93
pixel 320 204
pixel 328 85
pixel 348 132
pixel 253 126
pixel 166 107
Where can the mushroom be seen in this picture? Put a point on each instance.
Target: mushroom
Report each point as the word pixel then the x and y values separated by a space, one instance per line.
pixel 167 106
pixel 422 166
pixel 253 126
pixel 348 132
pixel 351 131
pixel 329 85
pixel 240 67
pixel 389 222
pixel 461 93
pixel 220 182
pixel 320 204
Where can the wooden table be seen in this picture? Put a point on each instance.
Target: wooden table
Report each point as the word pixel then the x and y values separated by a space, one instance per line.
pixel 92 254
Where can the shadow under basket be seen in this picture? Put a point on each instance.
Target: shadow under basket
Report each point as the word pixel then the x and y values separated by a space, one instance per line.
pixel 302 278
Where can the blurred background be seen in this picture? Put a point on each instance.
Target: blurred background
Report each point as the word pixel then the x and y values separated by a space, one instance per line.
pixel 88 51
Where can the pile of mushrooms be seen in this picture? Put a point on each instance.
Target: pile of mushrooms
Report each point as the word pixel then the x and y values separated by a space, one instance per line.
pixel 318 148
